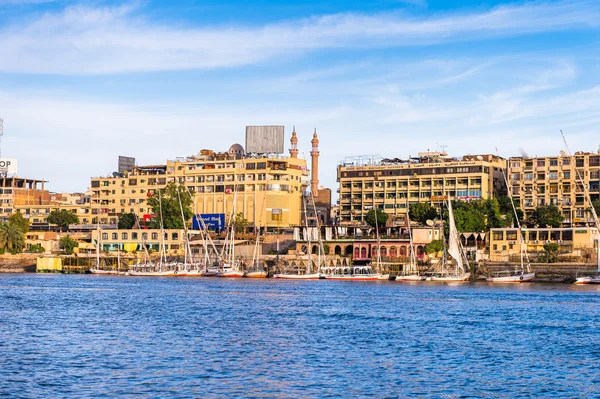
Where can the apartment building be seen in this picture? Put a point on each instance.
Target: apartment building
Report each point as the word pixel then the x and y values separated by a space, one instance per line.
pixel 557 180
pixel 392 184
pixel 18 191
pixel 78 203
pixel 267 189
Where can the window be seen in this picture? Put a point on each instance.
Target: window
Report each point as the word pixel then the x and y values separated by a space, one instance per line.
pixel 540 163
pixel 155 236
pixel 105 236
pixel 498 235
pixel 134 236
pixel 124 236
pixel 174 236
pixel 144 236
pixel 115 236
pixel 554 162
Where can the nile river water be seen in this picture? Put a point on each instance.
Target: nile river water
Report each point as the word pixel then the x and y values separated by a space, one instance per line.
pixel 68 336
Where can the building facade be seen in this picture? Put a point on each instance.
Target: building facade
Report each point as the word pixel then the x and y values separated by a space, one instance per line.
pixel 558 180
pixel 506 245
pixel 267 189
pixel 18 191
pixel 392 184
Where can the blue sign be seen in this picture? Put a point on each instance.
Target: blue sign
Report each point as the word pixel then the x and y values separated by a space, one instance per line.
pixel 212 221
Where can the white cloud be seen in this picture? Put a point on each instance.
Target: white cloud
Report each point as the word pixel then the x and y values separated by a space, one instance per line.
pixel 83 40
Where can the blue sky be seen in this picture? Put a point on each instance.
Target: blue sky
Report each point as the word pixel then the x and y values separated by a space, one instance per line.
pixel 84 82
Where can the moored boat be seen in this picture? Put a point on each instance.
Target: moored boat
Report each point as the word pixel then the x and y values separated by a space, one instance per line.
pixel 514 278
pixel 256 274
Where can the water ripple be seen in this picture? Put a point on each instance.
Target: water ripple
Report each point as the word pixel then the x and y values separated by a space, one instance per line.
pixel 105 337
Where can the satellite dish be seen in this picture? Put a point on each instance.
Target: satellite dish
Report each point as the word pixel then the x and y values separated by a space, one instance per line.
pixel 479 157
pixel 562 153
pixel 429 222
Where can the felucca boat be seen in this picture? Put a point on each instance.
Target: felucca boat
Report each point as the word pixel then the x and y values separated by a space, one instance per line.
pixel 456 251
pixel 411 274
pixel 519 275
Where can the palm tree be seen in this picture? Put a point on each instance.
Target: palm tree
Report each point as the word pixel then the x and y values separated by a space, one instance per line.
pixel 12 238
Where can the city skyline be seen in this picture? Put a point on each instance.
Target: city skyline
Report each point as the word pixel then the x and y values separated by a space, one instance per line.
pixel 84 82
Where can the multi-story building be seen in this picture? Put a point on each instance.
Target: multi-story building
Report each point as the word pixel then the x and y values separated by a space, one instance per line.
pixel 579 242
pixel 557 180
pixel 267 189
pixel 392 184
pixel 78 203
pixel 17 191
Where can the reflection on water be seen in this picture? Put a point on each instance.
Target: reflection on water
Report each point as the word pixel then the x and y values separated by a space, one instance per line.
pixel 103 336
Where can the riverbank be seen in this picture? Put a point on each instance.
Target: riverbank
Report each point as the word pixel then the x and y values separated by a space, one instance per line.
pixel 20 263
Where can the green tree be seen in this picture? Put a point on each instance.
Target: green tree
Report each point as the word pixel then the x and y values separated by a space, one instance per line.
pixel 36 249
pixel 168 199
pixel 551 250
pixel 127 221
pixel 12 239
pixel 382 218
pixel 17 219
pixel 421 212
pixel 62 218
pixel 240 223
pixel 434 246
pixel 68 244
pixel 547 216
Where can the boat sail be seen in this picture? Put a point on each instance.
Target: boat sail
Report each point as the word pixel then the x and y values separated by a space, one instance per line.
pixel 456 251
pixel 519 275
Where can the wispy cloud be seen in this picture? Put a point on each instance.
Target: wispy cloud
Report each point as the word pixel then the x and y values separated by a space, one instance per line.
pixel 82 40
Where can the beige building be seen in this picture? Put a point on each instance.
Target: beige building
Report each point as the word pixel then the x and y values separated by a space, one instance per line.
pixel 556 181
pixel 78 203
pixel 134 240
pixel 392 184
pixel 18 191
pixel 267 189
pixel 579 242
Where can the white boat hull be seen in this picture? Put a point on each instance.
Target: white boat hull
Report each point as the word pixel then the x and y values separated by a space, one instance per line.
pixel 152 274
pixel 233 274
pixel 256 274
pixel 587 280
pixel 460 277
pixel 521 278
pixel 314 276
pixel 100 271
pixel 357 277
pixel 211 273
pixel 410 277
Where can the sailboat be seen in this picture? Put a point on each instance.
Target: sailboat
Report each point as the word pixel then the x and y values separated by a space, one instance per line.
pixel 255 271
pixel 309 272
pixel 456 251
pixel 412 274
pixel 587 279
pixel 149 269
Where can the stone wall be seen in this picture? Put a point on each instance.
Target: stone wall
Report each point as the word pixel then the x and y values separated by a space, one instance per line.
pixel 20 263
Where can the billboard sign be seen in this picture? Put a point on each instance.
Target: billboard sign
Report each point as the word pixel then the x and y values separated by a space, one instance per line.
pixel 8 166
pixel 212 221
pixel 126 164
pixel 264 139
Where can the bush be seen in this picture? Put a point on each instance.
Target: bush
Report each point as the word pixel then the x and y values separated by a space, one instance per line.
pixel 36 249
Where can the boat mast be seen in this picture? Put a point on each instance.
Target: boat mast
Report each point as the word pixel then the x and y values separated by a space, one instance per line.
pixel 523 247
pixel 319 237
pixel 378 255
pixel 308 243
pixel 589 198
pixel 185 231
pixel 413 260
pixel 162 234
pixel 454 248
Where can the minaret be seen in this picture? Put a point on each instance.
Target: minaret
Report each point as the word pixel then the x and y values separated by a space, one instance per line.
pixel 294 146
pixel 314 154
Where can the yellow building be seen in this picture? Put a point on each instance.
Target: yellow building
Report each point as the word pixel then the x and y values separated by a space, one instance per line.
pixel 556 181
pixel 389 184
pixel 133 240
pixel 575 242
pixel 78 203
pixel 266 189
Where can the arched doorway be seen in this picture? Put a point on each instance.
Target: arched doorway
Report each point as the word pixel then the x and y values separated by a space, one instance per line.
pixel 337 250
